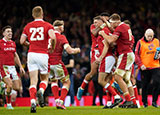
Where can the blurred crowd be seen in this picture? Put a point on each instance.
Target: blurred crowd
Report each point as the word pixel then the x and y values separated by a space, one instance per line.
pixel 77 15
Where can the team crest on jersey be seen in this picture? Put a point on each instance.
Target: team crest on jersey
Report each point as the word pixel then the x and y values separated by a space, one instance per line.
pixel 5 44
pixel 150 47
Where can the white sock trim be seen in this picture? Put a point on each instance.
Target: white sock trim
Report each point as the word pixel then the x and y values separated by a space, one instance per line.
pixel 46 83
pixel 54 84
pixel 106 86
pixel 133 97
pixel 9 104
pixel 32 86
pixel 33 101
pixel 42 90
pixel 85 81
pixel 134 86
pixel 64 87
pixel 116 96
pixel 125 93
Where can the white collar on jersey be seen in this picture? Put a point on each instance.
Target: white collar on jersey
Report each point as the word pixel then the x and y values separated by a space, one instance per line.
pixel 121 23
pixel 38 19
pixel 5 39
pixel 57 31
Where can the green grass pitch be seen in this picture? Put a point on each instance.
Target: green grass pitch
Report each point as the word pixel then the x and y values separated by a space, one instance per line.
pixel 86 110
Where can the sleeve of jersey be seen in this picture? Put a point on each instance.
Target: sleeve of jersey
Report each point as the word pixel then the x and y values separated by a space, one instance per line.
pixel 137 54
pixel 50 27
pixel 106 31
pixel 117 32
pixel 25 31
pixel 64 40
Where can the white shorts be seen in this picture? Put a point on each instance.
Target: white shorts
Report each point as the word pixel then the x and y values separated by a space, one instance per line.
pixel 11 72
pixel 38 61
pixel 58 71
pixel 107 64
pixel 124 64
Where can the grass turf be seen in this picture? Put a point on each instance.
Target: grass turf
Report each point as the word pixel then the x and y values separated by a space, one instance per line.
pixel 87 110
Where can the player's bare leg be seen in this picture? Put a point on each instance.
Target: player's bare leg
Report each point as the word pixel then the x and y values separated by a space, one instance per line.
pixel 13 97
pixel 33 89
pixel 103 79
pixel 130 88
pixel 87 78
pixel 124 88
pixel 16 85
pixel 9 84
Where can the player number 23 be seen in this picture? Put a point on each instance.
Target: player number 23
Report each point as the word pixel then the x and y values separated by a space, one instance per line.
pixel 37 33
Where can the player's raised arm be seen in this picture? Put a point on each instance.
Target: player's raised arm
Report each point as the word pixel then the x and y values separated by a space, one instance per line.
pixel 110 39
pixel 71 50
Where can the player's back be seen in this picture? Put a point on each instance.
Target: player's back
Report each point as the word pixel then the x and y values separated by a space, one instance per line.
pixel 126 40
pixel 56 56
pixel 37 33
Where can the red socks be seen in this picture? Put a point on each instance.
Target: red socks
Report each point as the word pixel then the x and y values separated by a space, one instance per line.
pixel 55 90
pixel 135 92
pixel 32 92
pixel 110 89
pixel 43 86
pixel 133 99
pixel 127 97
pixel 84 83
pixel 64 92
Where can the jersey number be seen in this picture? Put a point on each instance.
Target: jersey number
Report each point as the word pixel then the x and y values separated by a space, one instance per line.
pixel 130 34
pixel 37 33
pixel 96 54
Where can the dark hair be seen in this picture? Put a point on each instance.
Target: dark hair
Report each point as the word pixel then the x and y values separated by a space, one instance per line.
pixel 6 27
pixel 127 22
pixel 104 14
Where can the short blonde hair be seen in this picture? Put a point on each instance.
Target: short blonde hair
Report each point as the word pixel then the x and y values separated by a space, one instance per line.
pixel 58 23
pixel 37 12
pixel 115 17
